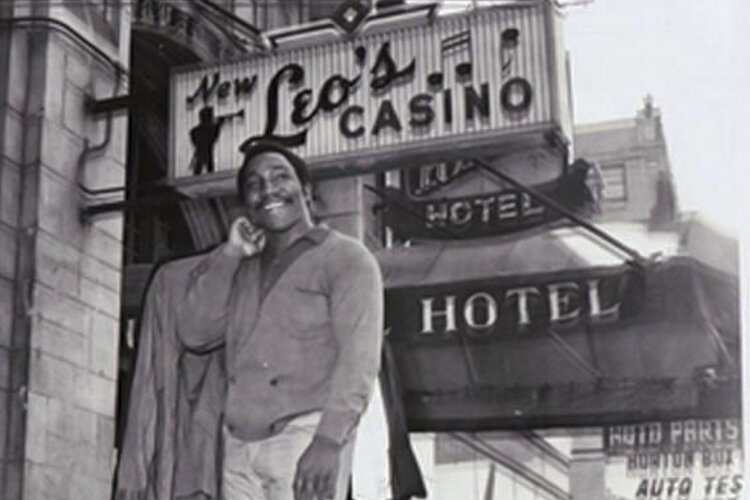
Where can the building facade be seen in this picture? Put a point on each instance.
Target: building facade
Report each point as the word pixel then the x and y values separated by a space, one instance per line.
pixel 61 276
pixel 90 203
pixel 634 180
pixel 634 184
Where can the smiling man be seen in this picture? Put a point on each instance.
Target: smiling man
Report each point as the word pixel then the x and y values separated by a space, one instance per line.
pixel 299 310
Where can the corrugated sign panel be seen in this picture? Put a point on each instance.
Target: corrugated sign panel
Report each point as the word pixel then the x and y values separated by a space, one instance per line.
pixel 496 79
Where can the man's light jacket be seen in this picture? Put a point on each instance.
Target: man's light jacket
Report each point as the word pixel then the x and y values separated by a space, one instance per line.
pixel 306 337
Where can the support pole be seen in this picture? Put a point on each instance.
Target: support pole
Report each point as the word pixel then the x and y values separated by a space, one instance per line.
pixel 545 200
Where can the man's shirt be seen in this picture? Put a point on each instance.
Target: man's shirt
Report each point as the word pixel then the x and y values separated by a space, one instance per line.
pixel 303 334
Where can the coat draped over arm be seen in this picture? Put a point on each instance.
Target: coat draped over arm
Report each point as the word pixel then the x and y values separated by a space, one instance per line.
pixel 171 447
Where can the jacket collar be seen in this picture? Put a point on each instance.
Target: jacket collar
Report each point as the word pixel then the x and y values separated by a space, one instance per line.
pixel 317 234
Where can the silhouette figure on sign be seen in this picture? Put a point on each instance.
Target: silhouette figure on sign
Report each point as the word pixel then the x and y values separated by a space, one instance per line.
pixel 204 136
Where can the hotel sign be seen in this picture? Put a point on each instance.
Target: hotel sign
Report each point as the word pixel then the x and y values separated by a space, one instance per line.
pixel 472 78
pixel 622 346
pixel 512 307
pixel 483 214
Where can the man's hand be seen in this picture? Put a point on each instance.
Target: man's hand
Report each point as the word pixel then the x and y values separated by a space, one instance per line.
pixel 317 470
pixel 245 240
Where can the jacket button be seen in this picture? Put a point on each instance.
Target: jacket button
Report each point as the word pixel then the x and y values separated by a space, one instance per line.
pixel 274 382
pixel 264 365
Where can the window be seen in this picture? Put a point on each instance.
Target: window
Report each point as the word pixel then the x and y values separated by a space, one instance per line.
pixel 615 188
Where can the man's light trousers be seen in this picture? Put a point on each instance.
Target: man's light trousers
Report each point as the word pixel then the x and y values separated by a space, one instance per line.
pixel 265 469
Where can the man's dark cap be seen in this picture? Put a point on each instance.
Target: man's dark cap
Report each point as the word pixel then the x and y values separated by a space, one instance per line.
pixel 261 146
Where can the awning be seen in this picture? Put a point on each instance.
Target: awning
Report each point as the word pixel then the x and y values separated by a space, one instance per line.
pixel 553 329
pixel 544 250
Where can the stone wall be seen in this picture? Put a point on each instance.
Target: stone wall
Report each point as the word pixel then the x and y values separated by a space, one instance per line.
pixel 60 276
pixel 13 51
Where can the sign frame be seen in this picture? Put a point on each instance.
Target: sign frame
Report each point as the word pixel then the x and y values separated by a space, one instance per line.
pixel 338 163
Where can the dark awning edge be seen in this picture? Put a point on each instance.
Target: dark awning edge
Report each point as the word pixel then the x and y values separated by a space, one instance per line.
pixel 582 405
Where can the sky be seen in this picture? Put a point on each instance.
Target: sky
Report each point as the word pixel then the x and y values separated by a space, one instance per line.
pixel 693 57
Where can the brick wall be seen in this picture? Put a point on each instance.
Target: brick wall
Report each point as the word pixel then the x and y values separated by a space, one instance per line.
pixel 62 289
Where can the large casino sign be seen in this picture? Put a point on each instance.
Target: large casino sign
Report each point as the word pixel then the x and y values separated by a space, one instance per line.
pixel 475 78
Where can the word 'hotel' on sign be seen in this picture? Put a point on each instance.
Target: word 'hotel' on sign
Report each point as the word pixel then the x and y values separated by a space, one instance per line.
pixel 481 310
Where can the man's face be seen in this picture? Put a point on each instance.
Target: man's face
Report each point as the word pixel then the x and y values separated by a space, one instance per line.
pixel 274 197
